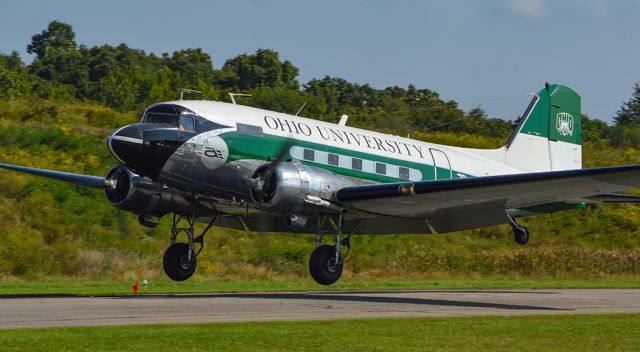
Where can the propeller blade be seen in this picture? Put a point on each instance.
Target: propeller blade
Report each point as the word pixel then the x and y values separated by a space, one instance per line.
pixel 284 149
pixel 76 179
pixel 277 159
pixel 258 183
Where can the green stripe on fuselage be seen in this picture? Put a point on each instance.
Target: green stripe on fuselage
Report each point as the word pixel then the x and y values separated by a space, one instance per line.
pixel 243 146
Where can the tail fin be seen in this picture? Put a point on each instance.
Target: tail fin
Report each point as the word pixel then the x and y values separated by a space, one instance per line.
pixel 549 135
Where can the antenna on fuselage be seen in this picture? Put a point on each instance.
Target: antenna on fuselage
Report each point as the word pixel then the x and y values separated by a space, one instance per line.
pixel 234 95
pixel 302 107
pixel 343 120
pixel 183 90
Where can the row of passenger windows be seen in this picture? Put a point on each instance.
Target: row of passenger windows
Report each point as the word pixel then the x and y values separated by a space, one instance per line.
pixel 356 164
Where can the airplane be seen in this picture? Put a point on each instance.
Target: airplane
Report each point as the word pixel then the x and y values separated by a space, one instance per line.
pixel 239 167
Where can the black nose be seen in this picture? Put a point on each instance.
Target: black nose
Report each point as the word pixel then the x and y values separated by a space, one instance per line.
pixel 126 144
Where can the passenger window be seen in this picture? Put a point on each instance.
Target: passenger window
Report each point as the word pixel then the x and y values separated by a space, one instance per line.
pixel 308 154
pixel 381 168
pixel 186 124
pixel 403 173
pixel 333 159
pixel 356 164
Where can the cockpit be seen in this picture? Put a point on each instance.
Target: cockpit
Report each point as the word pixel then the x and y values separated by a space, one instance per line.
pixel 146 146
pixel 179 116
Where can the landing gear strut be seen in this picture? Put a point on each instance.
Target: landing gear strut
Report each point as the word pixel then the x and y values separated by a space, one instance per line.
pixel 180 260
pixel 326 261
pixel 520 233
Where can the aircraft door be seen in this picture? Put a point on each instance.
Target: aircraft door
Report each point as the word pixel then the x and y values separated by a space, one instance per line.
pixel 441 164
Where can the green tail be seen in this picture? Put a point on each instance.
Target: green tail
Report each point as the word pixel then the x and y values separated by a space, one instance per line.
pixel 549 135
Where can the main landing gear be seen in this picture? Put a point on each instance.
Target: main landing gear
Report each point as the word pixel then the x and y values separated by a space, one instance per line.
pixel 520 233
pixel 326 261
pixel 180 260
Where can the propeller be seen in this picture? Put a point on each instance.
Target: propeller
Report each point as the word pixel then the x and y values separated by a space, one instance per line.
pixel 264 181
pixel 264 184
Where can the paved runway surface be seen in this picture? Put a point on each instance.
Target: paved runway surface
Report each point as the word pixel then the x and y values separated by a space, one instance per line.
pixel 120 310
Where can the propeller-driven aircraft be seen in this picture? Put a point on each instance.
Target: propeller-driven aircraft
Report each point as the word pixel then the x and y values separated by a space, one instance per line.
pixel 244 168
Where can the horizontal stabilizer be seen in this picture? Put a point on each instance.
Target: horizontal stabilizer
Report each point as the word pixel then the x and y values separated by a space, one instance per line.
pixel 615 198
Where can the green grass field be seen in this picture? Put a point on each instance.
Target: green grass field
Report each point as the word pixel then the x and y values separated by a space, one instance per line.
pixel 522 333
pixel 200 285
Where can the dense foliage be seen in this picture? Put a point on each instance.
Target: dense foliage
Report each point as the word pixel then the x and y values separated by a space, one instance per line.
pixel 56 112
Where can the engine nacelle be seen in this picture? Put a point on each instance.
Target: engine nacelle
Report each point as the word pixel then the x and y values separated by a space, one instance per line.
pixel 146 198
pixel 296 189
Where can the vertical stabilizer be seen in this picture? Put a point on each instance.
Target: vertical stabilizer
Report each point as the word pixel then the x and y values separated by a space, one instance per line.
pixel 549 135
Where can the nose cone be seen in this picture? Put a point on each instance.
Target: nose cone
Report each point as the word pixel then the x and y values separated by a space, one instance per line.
pixel 125 144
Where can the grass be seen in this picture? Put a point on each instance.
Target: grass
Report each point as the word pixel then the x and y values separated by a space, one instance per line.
pixel 201 285
pixel 517 333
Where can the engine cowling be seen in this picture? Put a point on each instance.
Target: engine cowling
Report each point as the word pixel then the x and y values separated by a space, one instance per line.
pixel 136 194
pixel 296 189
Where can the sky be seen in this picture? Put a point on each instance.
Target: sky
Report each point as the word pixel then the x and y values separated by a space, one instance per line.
pixel 487 53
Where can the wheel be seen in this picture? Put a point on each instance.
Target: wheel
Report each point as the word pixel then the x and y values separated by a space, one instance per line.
pixel 323 266
pixel 521 235
pixel 176 262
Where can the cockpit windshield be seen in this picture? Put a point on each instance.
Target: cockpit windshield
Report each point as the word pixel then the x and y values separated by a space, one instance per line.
pixel 162 113
pixel 178 116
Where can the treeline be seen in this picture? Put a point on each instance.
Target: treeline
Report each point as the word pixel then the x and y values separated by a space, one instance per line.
pixel 128 79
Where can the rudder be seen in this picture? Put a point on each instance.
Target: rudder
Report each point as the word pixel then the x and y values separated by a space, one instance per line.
pixel 549 135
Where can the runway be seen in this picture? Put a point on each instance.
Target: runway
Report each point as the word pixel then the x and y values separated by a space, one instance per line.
pixel 18 312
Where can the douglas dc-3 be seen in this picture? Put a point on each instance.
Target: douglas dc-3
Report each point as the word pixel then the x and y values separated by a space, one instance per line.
pixel 257 170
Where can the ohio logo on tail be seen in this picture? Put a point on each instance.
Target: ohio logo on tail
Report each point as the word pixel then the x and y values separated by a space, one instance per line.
pixel 564 124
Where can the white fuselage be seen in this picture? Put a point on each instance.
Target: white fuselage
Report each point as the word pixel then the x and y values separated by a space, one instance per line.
pixel 462 161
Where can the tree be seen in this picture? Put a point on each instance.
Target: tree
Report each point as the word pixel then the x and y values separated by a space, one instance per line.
pixel 629 113
pixel 594 129
pixel 58 58
pixel 192 66
pixel 12 61
pixel 58 36
pixel 15 81
pixel 340 95
pixel 246 72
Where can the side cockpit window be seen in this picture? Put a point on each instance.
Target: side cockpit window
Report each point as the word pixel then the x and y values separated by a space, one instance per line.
pixel 186 123
pixel 161 113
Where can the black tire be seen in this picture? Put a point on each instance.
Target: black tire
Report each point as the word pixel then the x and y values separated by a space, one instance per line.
pixel 521 236
pixel 174 262
pixel 322 265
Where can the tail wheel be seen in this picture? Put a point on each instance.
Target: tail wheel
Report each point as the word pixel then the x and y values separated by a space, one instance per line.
pixel 323 266
pixel 521 235
pixel 176 262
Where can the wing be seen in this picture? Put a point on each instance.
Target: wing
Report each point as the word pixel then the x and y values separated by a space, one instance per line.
pixel 76 179
pixel 451 205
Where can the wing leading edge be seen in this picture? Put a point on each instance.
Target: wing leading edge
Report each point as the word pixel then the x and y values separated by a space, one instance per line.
pixel 76 179
pixel 451 205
